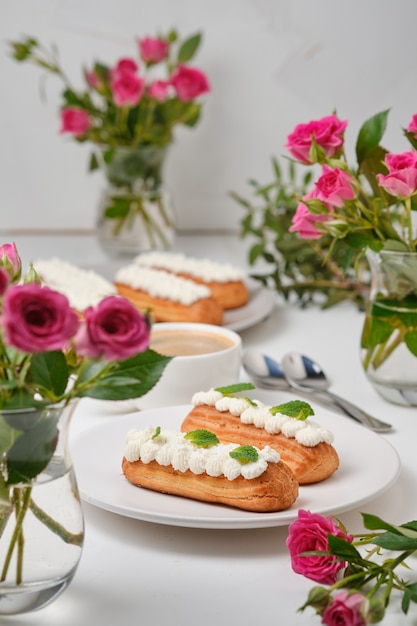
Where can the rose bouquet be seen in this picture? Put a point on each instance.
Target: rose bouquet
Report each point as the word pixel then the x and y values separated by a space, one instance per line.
pixel 358 586
pixel 128 112
pixel 48 358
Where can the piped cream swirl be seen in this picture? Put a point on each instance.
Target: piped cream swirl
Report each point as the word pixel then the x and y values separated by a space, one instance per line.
pixel 171 448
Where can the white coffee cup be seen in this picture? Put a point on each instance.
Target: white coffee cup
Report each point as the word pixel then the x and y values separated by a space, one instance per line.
pixel 188 372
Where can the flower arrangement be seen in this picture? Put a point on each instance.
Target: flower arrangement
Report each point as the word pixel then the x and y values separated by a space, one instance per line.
pixel 49 357
pixel 358 587
pixel 366 206
pixel 129 112
pixel 128 104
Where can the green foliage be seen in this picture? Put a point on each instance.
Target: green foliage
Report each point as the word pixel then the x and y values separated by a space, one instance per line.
pixel 244 454
pixel 295 408
pixel 202 438
pixel 308 271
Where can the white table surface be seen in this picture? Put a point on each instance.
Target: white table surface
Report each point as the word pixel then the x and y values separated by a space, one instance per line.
pixel 134 572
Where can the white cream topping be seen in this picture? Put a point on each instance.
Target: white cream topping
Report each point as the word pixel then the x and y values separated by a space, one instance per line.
pixel 204 269
pixel 160 284
pixel 83 288
pixel 171 448
pixel 306 432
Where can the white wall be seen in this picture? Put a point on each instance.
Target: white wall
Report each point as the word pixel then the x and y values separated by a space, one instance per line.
pixel 272 64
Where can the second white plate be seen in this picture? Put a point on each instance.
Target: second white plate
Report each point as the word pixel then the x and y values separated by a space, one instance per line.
pixel 97 455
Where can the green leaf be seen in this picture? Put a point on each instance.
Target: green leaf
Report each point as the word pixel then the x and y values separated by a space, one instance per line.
pixel 134 377
pixel 411 341
pixel 343 549
pixel 188 48
pixel 231 389
pixel 410 595
pixel 373 522
pixel 244 454
pixel 50 371
pixel 157 432
pixel 202 438
pixel 371 134
pixel 32 452
pixel 394 541
pixel 295 408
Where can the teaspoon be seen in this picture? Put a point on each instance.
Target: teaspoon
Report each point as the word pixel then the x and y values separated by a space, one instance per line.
pixel 306 375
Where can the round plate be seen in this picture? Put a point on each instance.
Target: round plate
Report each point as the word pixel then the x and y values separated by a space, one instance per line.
pixel 260 306
pixel 98 452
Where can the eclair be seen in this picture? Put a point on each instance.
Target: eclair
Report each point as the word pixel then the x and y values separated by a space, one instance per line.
pixel 167 297
pixel 176 463
pixel 303 444
pixel 226 282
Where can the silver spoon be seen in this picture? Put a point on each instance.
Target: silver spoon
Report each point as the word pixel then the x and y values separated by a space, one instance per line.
pixel 267 373
pixel 306 375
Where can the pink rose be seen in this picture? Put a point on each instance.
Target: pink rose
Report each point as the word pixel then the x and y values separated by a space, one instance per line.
pixel 159 90
pixel 153 50
pixel 127 88
pixel 303 221
pixel 347 609
pixel 327 133
pixel 4 281
pixel 412 127
pixel 114 330
pixel 401 179
pixel 126 66
pixel 10 261
pixel 334 186
pixel 309 532
pixel 92 79
pixel 74 121
pixel 37 319
pixel 189 83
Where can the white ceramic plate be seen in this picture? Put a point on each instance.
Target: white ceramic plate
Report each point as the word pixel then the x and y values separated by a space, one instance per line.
pixel 369 465
pixel 259 307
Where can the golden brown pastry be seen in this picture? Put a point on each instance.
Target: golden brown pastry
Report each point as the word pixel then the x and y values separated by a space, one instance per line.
pixel 169 463
pixel 303 445
pixel 168 298
pixel 226 282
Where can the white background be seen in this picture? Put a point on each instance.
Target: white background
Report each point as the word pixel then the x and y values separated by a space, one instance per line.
pixel 271 63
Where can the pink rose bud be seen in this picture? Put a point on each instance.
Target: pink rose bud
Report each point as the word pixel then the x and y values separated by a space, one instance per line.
pixel 126 66
pixel 10 261
pixel 412 127
pixel 37 319
pixel 189 83
pixel 127 88
pixel 74 121
pixel 303 221
pixel 153 50
pixel 349 609
pixel 309 533
pixel 327 134
pixel 159 90
pixel 334 186
pixel 401 179
pixel 114 330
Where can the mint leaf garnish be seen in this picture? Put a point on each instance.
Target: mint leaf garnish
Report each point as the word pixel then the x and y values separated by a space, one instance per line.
pixel 295 408
pixel 157 432
pixel 202 438
pixel 236 388
pixel 244 454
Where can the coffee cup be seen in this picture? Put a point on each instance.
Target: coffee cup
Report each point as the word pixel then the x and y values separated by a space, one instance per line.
pixel 204 356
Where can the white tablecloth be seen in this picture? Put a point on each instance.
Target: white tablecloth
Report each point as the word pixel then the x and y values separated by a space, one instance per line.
pixel 135 572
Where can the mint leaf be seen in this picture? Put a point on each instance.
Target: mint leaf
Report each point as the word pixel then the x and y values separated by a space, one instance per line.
pixel 295 408
pixel 230 389
pixel 157 432
pixel 244 454
pixel 202 438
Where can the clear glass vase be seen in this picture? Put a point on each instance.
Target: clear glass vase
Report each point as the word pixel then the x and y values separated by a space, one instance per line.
pixel 135 212
pixel 389 336
pixel 41 519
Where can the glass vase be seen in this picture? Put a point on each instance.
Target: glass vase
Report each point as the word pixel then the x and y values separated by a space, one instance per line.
pixel 389 336
pixel 135 212
pixel 41 519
